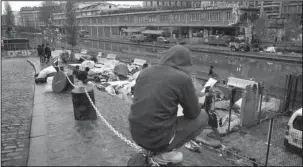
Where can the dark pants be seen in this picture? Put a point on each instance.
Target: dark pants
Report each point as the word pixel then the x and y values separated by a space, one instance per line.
pixel 47 58
pixel 187 129
pixel 41 59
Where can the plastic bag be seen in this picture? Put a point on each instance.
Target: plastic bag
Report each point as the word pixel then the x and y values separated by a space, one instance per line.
pixel 48 87
pixel 87 63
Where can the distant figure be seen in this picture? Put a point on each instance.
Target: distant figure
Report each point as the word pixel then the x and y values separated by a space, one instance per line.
pixel 211 72
pixel 39 51
pixel 48 53
pixel 145 65
pixel 43 53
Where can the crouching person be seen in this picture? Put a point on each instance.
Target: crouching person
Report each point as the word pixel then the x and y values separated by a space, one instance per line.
pixel 159 89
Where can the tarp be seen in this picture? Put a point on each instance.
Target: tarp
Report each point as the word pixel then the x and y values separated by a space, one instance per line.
pixel 139 62
pixel 121 69
pixel 155 32
pixel 211 82
pixel 239 83
pixel 129 30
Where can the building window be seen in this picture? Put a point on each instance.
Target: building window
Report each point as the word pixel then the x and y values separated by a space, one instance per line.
pixel 94 21
pixel 176 17
pixel 182 17
pixel 100 20
pixel 151 19
pixel 140 19
pixel 214 16
pixel 228 16
pixel 164 18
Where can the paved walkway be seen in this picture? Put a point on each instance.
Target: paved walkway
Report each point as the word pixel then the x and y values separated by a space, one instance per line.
pixel 16 111
pixel 66 141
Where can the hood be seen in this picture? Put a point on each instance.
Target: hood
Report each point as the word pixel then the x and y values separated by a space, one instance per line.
pixel 178 57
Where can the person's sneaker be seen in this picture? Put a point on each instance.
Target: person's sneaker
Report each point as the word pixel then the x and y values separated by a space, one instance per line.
pixel 173 157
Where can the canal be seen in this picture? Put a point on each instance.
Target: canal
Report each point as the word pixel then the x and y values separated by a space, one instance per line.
pixel 272 73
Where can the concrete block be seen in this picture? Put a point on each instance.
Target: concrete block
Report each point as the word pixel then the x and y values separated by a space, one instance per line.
pixel 38 126
pixel 38 152
pixel 38 110
pixel 39 99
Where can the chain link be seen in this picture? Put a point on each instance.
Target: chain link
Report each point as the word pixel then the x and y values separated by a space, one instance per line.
pixel 130 143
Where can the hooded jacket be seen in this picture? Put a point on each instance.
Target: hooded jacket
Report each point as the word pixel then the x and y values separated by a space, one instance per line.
pixel 158 91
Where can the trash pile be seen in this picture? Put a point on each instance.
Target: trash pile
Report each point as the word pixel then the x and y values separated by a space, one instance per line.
pixel 109 75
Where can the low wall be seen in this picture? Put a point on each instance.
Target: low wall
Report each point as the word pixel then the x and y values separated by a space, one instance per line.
pixel 19 53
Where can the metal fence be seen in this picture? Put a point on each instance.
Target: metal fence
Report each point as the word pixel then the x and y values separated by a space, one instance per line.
pixel 271 148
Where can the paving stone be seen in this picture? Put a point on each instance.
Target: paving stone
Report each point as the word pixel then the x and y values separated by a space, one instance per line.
pixel 18 157
pixel 6 151
pixel 12 154
pixel 6 159
pixel 9 147
pixel 19 149
pixel 17 100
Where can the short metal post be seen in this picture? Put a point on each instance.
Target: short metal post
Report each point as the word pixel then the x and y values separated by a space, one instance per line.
pixel 268 140
pixel 260 105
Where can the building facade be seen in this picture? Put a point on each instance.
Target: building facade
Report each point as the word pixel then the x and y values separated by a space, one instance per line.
pixel 178 23
pixel 30 16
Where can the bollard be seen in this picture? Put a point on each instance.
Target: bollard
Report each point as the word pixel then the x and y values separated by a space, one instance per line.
pixel 83 109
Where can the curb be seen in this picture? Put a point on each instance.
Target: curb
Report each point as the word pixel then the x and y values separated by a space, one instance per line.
pixel 38 135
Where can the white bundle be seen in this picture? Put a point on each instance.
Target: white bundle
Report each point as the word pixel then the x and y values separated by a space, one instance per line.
pixel 87 63
pixel 43 73
pixel 48 87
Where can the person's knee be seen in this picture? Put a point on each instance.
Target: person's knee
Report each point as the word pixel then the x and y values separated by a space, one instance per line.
pixel 201 120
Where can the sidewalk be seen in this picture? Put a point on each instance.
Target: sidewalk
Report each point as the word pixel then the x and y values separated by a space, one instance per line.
pixel 59 139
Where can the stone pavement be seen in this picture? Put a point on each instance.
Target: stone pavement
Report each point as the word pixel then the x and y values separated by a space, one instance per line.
pixel 17 101
pixel 66 141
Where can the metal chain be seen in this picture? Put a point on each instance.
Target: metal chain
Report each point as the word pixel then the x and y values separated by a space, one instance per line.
pixel 130 143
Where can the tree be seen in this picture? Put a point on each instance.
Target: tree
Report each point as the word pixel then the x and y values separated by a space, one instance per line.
pixel 46 12
pixel 70 25
pixel 261 26
pixel 292 26
pixel 10 19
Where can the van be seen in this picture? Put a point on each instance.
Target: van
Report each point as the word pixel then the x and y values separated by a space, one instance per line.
pixel 293 134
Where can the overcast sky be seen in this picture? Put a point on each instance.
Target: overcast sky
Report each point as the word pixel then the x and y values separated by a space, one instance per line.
pixel 16 5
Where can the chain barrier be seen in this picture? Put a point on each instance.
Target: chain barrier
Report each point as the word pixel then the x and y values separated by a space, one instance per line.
pixel 130 143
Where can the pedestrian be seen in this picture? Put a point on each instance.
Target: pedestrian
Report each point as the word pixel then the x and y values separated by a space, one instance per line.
pixel 43 53
pixel 48 53
pixel 211 72
pixel 39 51
pixel 159 90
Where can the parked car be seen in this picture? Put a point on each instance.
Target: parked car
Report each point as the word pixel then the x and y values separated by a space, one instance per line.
pixel 180 41
pixel 219 40
pixel 137 38
pixel 162 40
pixel 293 134
pixel 238 44
pixel 84 34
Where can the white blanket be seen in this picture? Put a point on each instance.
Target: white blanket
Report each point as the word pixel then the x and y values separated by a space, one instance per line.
pixel 43 73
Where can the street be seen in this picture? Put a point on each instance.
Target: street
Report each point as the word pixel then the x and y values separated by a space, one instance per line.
pixel 17 103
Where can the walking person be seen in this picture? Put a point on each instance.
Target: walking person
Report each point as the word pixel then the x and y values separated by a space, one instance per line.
pixel 159 90
pixel 39 51
pixel 48 53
